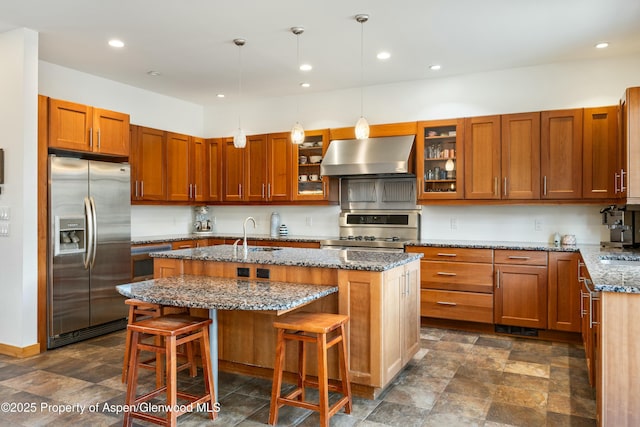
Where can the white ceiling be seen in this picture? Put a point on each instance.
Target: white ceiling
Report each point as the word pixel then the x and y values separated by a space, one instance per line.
pixel 190 42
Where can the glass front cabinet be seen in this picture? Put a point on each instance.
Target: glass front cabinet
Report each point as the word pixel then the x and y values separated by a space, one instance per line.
pixel 309 184
pixel 439 159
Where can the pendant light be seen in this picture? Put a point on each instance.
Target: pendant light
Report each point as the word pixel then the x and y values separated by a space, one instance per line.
pixel 239 137
pixel 297 131
pixel 362 126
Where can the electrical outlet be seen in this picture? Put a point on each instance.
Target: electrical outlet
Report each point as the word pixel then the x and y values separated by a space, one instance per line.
pixel 5 213
pixel 537 225
pixel 309 221
pixel 4 229
pixel 454 223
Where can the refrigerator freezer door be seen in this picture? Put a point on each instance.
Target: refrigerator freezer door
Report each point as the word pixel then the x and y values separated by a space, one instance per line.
pixel 68 308
pixel 109 191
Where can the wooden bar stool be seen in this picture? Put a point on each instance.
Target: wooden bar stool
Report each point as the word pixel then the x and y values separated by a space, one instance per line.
pixel 175 329
pixel 311 327
pixel 139 310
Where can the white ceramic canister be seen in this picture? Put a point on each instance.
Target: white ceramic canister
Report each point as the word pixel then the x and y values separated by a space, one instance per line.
pixel 275 223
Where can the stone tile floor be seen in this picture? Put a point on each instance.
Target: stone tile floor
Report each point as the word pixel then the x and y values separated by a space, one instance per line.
pixel 456 379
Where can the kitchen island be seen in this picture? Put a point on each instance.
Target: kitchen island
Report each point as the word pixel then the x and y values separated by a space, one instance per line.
pixel 378 290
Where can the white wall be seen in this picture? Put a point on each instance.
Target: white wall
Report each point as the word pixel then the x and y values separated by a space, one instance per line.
pixel 18 138
pixel 145 108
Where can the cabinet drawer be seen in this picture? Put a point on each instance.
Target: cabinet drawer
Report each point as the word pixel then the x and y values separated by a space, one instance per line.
pixel 454 254
pixel 469 306
pixel 521 257
pixel 456 276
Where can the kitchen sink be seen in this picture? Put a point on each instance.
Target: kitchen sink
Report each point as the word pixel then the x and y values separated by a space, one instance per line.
pixel 263 249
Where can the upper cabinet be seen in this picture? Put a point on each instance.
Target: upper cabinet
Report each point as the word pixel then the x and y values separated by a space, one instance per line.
pixel 233 161
pixel 561 154
pixel 482 157
pixel 600 153
pixel 630 140
pixel 520 150
pixel 307 181
pixel 213 153
pixel 186 168
pixel 83 128
pixel 439 159
pixel 148 164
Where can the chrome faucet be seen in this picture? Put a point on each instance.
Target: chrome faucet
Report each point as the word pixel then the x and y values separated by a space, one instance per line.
pixel 244 231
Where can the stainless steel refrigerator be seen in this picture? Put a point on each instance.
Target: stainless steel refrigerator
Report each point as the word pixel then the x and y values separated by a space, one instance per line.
pixel 89 248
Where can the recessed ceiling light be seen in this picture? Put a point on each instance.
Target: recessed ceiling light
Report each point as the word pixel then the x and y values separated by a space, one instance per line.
pixel 383 55
pixel 153 73
pixel 602 45
pixel 306 67
pixel 116 43
pixel 305 84
pixel 435 67
pixel 220 95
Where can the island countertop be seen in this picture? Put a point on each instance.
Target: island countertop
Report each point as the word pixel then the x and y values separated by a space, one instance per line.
pixel 296 257
pixel 225 293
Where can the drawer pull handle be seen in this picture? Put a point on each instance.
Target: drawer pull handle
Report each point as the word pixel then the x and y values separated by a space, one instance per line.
pixel 445 254
pixel 453 304
pixel 444 273
pixel 519 257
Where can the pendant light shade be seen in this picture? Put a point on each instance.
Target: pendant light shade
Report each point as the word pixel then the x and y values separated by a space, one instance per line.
pixel 297 131
pixel 239 137
pixel 362 125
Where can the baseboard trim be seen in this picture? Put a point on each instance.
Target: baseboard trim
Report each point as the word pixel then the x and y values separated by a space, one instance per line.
pixel 20 352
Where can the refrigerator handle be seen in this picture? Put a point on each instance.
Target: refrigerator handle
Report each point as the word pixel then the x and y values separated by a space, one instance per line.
pixel 94 224
pixel 89 233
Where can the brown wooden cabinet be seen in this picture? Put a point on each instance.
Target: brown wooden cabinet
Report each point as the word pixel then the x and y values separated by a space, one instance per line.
pixel 561 154
pixel 456 283
pixel 198 169
pixel 148 165
pixel 521 288
pixel 564 292
pixel 214 166
pixel 520 148
pixel 279 164
pixel 315 188
pixel 630 146
pixel 482 158
pixel 233 160
pixel 79 127
pixel 439 147
pixel 178 167
pixel 600 153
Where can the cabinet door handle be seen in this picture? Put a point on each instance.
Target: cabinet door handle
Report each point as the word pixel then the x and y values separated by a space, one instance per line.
pixel 141 188
pixel 616 190
pixel 582 309
pixel 580 265
pixel 622 187
pixel 194 191
pixel 324 189
pixel 269 191
pixel 498 279
pixel 446 254
pixel 189 196
pixel 495 186
pixel 98 138
pixel 135 189
pixel 452 304
pixel 444 273
pixel 505 186
pixel 91 138
pixel 519 257
pixel 262 191
pixel 544 185
pixel 240 190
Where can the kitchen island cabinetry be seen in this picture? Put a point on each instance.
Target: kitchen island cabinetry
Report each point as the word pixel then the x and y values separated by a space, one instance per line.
pixel 561 154
pixel 439 148
pixel 521 288
pixel 382 305
pixel 148 164
pixel 456 283
pixel 79 127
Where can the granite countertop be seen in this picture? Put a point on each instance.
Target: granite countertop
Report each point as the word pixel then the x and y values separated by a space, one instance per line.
pixel 297 257
pixel 143 240
pixel 491 244
pixel 225 293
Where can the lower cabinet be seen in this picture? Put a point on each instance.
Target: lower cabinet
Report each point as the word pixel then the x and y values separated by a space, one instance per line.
pixel 564 292
pixel 521 288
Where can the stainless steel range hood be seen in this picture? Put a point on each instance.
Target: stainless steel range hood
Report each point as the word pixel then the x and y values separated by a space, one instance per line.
pixel 373 156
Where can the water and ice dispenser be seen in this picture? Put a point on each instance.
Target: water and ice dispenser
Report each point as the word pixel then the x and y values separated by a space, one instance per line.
pixel 70 235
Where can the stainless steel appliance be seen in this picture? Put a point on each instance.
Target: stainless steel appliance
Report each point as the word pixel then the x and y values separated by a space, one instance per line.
pixel 89 248
pixel 378 214
pixel 623 224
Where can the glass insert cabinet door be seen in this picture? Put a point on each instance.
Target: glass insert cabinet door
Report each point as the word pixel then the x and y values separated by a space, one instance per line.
pixel 309 184
pixel 440 166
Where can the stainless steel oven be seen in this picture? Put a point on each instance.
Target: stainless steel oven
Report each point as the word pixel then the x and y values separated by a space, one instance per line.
pixel 142 263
